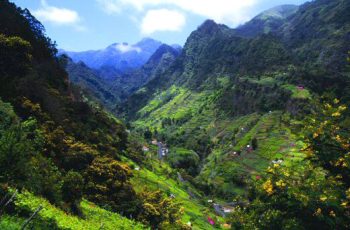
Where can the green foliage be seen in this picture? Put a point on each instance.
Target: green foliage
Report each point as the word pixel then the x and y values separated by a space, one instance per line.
pixel 19 142
pixel 298 93
pixel 184 159
pixel 158 177
pixel 44 178
pixel 160 212
pixel 15 223
pixel 108 185
pixel 15 57
pixel 90 82
pixel 300 196
pixel 51 137
pixel 329 140
pixel 55 218
pixel 72 189
pixel 313 193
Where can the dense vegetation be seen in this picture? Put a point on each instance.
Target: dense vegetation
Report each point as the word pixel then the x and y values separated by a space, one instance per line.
pixel 238 98
pixel 55 145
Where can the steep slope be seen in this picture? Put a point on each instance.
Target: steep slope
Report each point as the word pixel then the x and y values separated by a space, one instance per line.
pixel 267 22
pixel 112 90
pixel 317 34
pixel 90 82
pixel 213 51
pixel 290 55
pixel 131 81
pixel 58 150
pixel 226 92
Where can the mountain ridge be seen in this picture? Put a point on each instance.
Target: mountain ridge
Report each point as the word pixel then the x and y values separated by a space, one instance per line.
pixel 120 56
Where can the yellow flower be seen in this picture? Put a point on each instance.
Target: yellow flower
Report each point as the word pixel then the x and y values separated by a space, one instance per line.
pixel 286 174
pixel 342 107
pixel 323 198
pixel 318 212
pixel 268 187
pixel 336 101
pixel 270 170
pixel 332 213
pixel 336 114
pixel 276 165
pixel 339 176
pixel 280 183
pixel 340 162
pixel 315 135
pixel 328 106
pixel 338 138
pixel 344 204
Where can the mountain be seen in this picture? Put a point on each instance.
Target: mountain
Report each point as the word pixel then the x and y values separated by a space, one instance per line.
pixel 227 91
pixel 90 82
pixel 63 159
pixel 268 21
pixel 131 81
pixel 109 86
pixel 120 56
pixel 244 128
pixel 305 40
pixel 210 52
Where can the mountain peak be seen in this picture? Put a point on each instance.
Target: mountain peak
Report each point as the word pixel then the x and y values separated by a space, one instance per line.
pixel 267 22
pixel 122 56
pixel 146 41
pixel 209 27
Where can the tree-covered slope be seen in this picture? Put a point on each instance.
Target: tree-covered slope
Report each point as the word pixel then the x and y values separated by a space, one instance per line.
pixel 267 22
pixel 57 149
pixel 310 47
pixel 131 81
pixel 91 82
pixel 110 87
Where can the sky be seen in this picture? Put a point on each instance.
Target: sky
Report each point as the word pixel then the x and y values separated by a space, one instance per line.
pixel 79 25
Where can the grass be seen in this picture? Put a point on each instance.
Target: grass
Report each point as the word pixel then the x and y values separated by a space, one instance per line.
pixel 11 222
pixel 194 209
pixel 94 216
pixel 225 174
pixel 275 140
pixel 297 93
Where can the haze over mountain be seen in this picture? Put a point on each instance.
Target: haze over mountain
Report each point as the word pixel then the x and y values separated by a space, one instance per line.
pixel 268 21
pixel 121 56
pixel 110 86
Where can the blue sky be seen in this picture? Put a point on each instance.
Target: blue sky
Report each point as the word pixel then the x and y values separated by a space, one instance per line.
pixel 78 25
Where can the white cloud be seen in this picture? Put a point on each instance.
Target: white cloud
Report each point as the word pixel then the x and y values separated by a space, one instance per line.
pixel 124 48
pixel 162 20
pixel 110 6
pixel 231 12
pixel 58 16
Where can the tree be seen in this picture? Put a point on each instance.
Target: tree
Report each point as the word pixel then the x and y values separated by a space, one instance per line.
pixel 311 194
pixel 255 143
pixel 160 212
pixel 108 185
pixel 44 179
pixel 147 134
pixel 19 142
pixel 72 190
